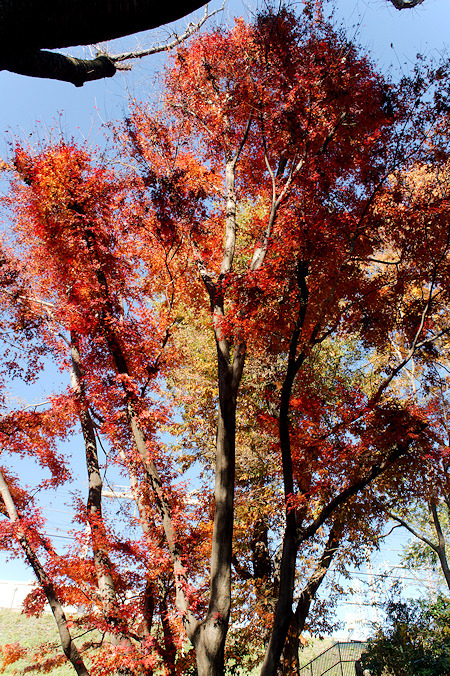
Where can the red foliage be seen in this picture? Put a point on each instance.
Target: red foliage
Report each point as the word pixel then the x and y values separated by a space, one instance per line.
pixel 268 193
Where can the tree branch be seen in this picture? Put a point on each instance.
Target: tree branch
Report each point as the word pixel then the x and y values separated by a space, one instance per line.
pixel 177 39
pixel 55 24
pixel 56 66
pixel 374 472
pixel 309 591
pixel 441 547
pixel 409 528
pixel 44 64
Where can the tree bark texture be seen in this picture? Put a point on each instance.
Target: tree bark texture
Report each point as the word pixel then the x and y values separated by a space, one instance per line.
pixel 209 640
pixel 54 66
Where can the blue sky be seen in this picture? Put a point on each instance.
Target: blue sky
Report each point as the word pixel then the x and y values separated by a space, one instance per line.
pixel 32 108
pixel 27 102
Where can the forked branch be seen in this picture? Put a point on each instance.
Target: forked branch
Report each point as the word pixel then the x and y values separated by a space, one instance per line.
pixel 165 46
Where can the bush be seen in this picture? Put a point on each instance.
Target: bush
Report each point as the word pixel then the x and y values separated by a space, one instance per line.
pixel 413 641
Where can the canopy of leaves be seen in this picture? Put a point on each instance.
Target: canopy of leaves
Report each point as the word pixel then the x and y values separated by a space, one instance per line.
pixel 256 281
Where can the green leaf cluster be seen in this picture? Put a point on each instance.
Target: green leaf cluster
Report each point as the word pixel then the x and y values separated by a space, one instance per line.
pixel 413 641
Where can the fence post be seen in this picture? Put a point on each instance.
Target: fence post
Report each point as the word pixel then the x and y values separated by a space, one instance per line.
pixel 340 658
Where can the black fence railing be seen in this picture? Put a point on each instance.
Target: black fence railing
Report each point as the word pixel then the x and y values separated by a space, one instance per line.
pixel 337 660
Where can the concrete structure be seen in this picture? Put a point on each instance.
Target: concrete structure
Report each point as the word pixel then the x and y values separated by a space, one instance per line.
pixel 12 594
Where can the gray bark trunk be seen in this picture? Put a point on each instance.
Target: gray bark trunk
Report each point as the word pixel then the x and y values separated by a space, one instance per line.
pixel 210 635
pixel 53 66
pixel 209 640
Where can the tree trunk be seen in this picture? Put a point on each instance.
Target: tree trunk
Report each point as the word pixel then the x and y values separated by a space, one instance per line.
pixel 289 659
pixel 209 637
pixel 68 646
pixel 102 562
pixel 440 549
pixel 209 640
pixel 289 663
pixel 52 24
pixel 283 608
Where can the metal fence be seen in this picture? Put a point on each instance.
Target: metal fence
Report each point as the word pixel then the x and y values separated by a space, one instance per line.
pixel 338 660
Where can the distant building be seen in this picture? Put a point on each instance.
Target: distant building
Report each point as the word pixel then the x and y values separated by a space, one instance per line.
pixel 12 594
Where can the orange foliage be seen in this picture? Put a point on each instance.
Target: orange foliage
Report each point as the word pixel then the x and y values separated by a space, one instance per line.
pixel 265 229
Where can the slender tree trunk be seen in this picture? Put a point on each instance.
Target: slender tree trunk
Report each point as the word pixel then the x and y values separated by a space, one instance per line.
pixel 440 549
pixel 153 591
pixel 102 563
pixel 104 571
pixel 289 660
pixel 68 646
pixel 283 608
pixel 210 639
pixel 169 651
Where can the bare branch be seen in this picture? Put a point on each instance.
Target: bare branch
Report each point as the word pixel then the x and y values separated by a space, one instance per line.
pixel 55 66
pixel 166 46
pixel 409 528
pixel 261 249
pixel 412 351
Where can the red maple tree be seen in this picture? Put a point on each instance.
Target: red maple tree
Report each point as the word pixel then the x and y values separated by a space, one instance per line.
pixel 264 197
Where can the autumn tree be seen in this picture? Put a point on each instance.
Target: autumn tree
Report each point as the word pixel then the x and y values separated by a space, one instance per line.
pixel 262 200
pixel 420 195
pixel 287 130
pixel 71 205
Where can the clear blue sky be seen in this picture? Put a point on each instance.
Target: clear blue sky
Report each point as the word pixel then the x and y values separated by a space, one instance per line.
pixel 375 23
pixel 393 38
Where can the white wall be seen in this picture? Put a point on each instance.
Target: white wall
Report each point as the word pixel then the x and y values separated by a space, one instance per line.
pixel 13 593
